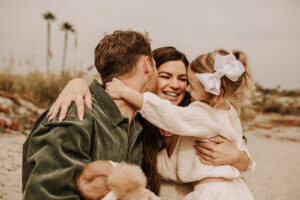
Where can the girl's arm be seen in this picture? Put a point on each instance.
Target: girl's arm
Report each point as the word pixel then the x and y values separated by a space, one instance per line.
pixel 199 121
pixel 250 164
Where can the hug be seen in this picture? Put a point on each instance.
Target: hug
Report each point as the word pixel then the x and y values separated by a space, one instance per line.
pixel 171 127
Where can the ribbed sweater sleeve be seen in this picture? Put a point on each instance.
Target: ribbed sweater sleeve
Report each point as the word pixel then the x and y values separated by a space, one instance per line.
pixel 197 119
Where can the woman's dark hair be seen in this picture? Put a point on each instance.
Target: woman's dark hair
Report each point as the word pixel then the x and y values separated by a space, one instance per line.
pixel 152 139
pixel 165 54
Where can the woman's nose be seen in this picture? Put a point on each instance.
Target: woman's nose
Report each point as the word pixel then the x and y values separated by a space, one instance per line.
pixel 174 83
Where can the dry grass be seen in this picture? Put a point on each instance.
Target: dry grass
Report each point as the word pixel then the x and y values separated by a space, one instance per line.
pixel 284 102
pixel 36 87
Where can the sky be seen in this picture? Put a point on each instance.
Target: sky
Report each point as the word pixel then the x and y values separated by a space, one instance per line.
pixel 268 31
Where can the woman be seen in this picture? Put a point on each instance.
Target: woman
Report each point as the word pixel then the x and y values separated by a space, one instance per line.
pixel 158 144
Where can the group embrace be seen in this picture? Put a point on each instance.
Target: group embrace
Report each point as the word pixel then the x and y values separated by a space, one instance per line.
pixel 156 127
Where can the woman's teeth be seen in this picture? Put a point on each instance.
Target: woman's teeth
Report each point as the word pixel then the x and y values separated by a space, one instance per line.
pixel 171 94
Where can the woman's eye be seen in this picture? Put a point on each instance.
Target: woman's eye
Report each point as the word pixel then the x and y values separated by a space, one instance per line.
pixel 165 77
pixel 183 79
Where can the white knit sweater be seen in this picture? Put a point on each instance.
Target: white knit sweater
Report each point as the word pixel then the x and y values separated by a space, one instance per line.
pixel 198 121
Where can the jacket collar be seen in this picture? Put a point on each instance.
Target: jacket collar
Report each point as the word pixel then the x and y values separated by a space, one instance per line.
pixel 106 103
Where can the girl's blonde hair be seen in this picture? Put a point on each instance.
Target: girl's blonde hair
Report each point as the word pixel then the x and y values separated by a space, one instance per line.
pixel 238 92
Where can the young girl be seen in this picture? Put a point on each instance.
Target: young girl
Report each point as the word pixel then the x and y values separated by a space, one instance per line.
pixel 219 82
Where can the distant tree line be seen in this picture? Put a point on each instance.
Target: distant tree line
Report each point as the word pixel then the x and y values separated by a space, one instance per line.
pixel 276 91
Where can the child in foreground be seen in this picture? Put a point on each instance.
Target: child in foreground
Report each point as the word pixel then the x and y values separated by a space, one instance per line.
pixel 219 83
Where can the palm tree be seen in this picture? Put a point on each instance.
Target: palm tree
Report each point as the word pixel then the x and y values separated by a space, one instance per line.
pixel 75 38
pixel 66 27
pixel 75 48
pixel 49 17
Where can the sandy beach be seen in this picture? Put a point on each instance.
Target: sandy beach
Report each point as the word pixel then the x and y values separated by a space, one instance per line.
pixel 275 151
pixel 10 165
pixel 277 174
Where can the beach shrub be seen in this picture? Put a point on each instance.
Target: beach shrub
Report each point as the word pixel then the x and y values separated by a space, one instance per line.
pixel 36 87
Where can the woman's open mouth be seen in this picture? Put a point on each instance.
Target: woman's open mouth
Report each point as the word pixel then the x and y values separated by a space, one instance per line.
pixel 172 94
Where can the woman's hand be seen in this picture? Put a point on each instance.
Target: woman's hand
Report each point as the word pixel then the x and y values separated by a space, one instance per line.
pixel 76 90
pixel 115 88
pixel 220 151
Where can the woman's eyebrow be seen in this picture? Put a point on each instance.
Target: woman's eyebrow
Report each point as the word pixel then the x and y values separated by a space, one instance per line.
pixel 165 73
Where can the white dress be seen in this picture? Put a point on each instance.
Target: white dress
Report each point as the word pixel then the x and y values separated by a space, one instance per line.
pixel 171 187
pixel 173 191
pixel 198 121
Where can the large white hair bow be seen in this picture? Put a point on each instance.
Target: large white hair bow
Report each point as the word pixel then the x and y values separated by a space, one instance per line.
pixel 227 66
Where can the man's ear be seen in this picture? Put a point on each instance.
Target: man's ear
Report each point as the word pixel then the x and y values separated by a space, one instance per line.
pixel 146 65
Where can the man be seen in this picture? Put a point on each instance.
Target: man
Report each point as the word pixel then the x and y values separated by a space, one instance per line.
pixel 55 152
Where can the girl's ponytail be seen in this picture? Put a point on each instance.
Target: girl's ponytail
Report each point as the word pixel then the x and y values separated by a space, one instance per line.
pixel 246 87
pixel 241 56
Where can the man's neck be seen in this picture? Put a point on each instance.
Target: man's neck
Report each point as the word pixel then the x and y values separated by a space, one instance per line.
pixel 126 109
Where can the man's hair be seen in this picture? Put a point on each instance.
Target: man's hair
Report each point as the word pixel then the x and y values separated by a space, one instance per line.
pixel 117 53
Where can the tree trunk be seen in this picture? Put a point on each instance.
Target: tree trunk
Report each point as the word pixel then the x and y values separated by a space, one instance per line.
pixel 75 54
pixel 48 46
pixel 64 53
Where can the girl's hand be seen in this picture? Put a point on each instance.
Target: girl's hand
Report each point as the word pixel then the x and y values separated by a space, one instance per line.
pixel 115 88
pixel 118 90
pixel 76 90
pixel 220 151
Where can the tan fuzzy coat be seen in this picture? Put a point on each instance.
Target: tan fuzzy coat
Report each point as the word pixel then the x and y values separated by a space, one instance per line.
pixel 128 182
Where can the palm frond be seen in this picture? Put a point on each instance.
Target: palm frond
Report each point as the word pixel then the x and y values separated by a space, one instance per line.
pixel 49 16
pixel 66 26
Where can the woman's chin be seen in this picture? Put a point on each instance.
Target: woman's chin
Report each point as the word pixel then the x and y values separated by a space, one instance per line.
pixel 173 100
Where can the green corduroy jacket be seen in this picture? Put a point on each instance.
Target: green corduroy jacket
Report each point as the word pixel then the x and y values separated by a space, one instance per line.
pixel 55 151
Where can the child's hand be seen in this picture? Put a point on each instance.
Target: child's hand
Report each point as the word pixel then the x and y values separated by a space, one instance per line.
pixel 118 90
pixel 115 88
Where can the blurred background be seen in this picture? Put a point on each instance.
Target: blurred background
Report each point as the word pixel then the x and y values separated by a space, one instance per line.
pixel 45 43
